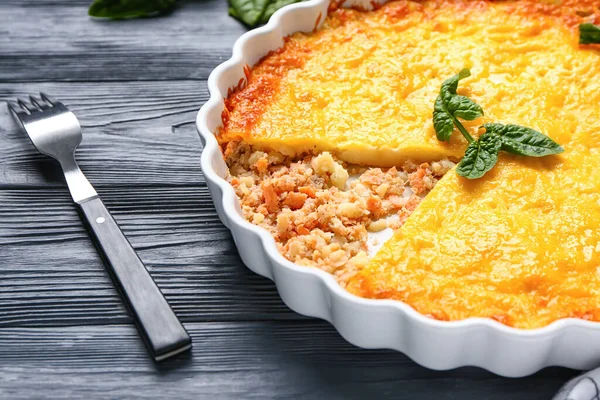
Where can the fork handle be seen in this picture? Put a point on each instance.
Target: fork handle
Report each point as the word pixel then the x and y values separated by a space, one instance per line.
pixel 162 332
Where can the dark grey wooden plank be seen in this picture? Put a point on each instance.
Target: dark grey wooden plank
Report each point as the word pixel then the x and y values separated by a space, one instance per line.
pixel 52 275
pixel 50 42
pixel 34 3
pixel 299 360
pixel 134 133
pixel 99 104
pixel 136 87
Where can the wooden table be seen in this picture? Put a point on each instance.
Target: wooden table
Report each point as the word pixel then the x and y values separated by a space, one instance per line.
pixel 136 87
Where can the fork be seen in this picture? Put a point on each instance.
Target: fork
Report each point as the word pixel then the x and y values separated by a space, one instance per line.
pixel 55 132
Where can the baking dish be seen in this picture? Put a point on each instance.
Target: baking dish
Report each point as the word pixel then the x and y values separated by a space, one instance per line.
pixel 371 323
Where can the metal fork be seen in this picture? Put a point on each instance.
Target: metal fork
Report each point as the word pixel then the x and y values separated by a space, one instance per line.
pixel 55 132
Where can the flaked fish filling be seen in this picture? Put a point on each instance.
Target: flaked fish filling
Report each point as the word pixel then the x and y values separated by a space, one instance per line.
pixel 320 210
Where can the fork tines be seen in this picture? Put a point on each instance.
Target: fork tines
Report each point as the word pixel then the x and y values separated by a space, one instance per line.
pixel 44 102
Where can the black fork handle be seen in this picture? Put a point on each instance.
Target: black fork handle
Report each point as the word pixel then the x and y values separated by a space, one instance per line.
pixel 158 325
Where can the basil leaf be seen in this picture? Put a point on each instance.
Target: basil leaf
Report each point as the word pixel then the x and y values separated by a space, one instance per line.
pixel 589 34
pixel 465 108
pixel 480 156
pixel 249 12
pixel 443 123
pixel 273 6
pixel 450 85
pixel 449 105
pixel 524 141
pixel 120 9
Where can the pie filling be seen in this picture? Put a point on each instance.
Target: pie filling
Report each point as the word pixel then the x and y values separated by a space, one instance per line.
pixel 330 147
pixel 321 210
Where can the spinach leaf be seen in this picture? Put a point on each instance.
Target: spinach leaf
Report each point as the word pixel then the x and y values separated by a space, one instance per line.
pixel 273 6
pixel 249 12
pixel 443 123
pixel 256 12
pixel 589 34
pixel 524 141
pixel 120 9
pixel 480 156
pixel 449 106
pixel 465 108
pixel 450 85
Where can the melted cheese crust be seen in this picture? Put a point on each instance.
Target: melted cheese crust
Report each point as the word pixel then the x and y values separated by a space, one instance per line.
pixel 521 245
pixel 363 86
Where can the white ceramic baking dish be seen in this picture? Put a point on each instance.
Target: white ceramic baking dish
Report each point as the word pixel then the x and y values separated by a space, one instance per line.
pixel 371 323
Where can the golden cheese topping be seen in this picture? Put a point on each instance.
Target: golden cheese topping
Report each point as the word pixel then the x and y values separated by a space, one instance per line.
pixel 521 246
pixel 363 86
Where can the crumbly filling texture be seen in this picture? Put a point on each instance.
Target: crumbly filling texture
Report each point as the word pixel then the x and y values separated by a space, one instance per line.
pixel 319 209
pixel 519 245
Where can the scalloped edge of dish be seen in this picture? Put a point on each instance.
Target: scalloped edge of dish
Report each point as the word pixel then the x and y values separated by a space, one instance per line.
pixel 368 323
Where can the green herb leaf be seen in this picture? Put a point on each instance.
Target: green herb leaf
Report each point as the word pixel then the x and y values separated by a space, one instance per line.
pixel 465 108
pixel 232 12
pixel 249 12
pixel 480 156
pixel 120 9
pixel 451 85
pixel 443 123
pixel 273 6
pixel 256 12
pixel 589 34
pixel 524 141
pixel 449 106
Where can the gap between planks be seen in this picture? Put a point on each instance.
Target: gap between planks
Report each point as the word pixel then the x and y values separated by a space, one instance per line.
pixel 134 134
pixel 295 359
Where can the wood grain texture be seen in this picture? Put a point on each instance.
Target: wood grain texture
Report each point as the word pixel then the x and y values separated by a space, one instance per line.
pixel 136 87
pixel 134 134
pixel 67 45
pixel 250 360
pixel 53 275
